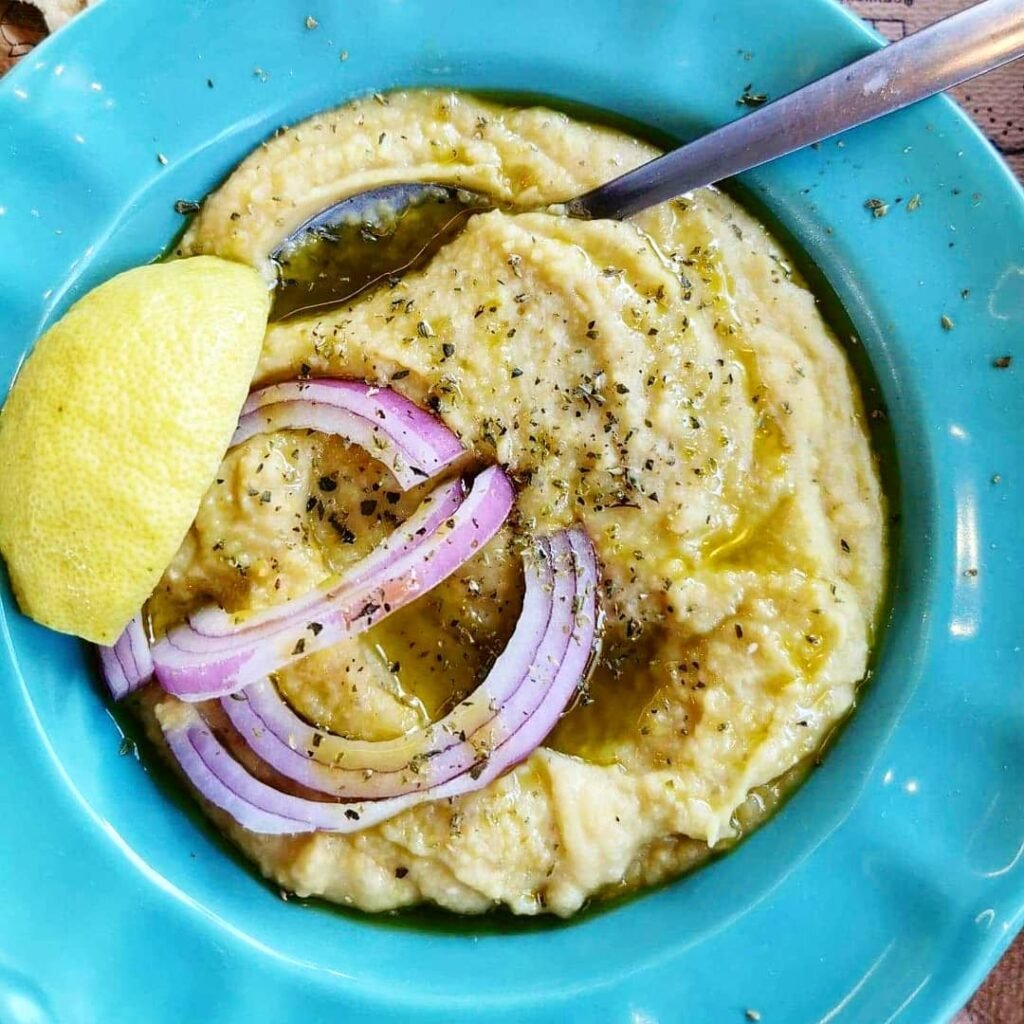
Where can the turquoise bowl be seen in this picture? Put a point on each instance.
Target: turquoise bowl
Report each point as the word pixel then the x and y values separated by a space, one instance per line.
pixel 893 879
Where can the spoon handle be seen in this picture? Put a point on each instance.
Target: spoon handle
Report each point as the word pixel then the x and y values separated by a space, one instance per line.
pixel 951 51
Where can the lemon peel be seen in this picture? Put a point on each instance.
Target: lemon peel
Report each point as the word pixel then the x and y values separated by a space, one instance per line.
pixel 113 430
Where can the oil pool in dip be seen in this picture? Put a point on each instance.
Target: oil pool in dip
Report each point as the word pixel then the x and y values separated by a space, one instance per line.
pixel 668 383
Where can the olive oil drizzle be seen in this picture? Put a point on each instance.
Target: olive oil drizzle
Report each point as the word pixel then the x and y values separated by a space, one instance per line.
pixel 337 260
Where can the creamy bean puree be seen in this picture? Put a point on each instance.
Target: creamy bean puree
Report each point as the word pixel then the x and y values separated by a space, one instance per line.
pixel 668 383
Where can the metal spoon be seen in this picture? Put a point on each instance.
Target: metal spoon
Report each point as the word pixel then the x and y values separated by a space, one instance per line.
pixel 383 233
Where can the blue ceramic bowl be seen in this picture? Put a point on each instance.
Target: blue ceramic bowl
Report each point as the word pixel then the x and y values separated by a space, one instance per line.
pixel 893 879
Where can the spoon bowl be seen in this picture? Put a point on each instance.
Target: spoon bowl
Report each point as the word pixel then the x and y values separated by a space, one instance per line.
pixel 366 239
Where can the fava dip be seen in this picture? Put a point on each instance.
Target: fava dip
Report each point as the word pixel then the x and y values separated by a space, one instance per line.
pixel 665 385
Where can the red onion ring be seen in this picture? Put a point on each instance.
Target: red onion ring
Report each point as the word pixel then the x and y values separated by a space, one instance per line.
pixel 360 769
pixel 413 444
pixel 197 635
pixel 138 641
pixel 128 663
pixel 193 675
pixel 261 808
pixel 115 674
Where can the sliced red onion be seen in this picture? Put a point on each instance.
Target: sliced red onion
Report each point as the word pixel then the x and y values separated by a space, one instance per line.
pixel 181 742
pixel 212 629
pixel 580 653
pixel 128 663
pixel 413 444
pixel 194 676
pixel 115 674
pixel 138 641
pixel 257 806
pixel 361 769
pixel 261 808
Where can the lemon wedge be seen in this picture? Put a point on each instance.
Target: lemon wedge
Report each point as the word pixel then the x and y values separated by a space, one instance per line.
pixel 113 430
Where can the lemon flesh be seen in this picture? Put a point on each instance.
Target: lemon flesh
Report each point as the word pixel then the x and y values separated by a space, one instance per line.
pixel 113 430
